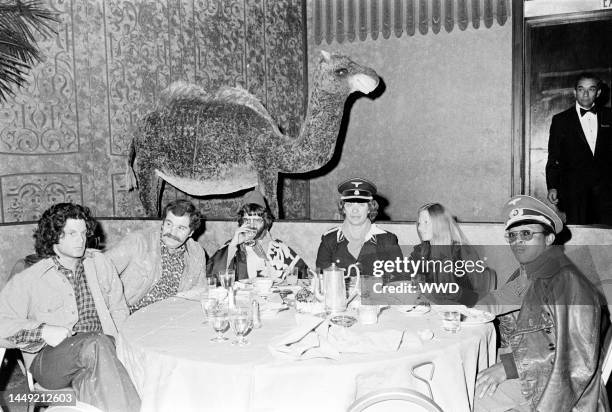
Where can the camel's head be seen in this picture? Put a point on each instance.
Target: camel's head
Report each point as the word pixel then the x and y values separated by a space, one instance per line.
pixel 339 74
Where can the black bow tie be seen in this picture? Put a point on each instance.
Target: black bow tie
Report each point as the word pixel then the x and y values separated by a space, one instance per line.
pixel 583 111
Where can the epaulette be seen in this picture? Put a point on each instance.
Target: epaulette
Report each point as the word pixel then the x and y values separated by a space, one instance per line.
pixel 332 230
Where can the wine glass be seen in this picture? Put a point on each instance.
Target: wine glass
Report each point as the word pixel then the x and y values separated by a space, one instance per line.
pixel 208 306
pixel 241 321
pixel 249 234
pixel 227 278
pixel 220 322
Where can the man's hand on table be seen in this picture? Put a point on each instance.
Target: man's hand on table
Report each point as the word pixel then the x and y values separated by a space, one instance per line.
pixel 489 379
pixel 54 335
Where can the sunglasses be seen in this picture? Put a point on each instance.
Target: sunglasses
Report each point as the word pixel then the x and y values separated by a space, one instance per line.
pixel 524 235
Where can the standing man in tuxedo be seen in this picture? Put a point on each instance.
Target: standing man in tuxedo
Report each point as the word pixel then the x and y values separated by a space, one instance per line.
pixel 579 167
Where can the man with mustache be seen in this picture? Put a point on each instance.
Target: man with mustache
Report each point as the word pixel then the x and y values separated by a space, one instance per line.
pixel 155 264
pixel 252 251
pixel 554 360
pixel 65 310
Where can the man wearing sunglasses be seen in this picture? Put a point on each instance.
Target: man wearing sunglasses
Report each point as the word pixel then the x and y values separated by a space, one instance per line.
pixel 552 364
pixel 252 251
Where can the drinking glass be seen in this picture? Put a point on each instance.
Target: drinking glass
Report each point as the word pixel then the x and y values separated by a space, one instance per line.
pixel 451 321
pixel 242 322
pixel 249 234
pixel 211 281
pixel 227 278
pixel 220 322
pixel 208 306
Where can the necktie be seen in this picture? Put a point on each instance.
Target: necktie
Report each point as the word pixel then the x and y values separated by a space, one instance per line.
pixel 583 111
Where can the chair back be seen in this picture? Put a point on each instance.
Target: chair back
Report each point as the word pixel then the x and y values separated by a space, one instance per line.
pixel 394 400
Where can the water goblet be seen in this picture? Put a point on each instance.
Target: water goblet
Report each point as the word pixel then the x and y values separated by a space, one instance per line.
pixel 242 322
pixel 208 306
pixel 220 323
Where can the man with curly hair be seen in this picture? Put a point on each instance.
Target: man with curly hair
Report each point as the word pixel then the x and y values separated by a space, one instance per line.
pixel 66 309
pixel 252 250
pixel 154 264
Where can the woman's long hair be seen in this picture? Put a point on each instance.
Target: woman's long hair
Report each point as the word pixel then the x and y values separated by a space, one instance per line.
pixel 446 230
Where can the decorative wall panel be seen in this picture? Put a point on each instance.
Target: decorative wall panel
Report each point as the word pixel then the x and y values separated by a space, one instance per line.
pixel 107 67
pixel 26 196
pixel 334 20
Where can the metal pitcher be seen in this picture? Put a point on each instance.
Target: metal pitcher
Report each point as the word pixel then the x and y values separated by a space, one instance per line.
pixel 333 286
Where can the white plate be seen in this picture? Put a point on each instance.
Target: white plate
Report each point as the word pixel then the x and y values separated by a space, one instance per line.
pixel 412 309
pixel 476 317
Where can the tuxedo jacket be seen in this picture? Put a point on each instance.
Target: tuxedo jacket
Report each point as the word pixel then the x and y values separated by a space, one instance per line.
pixel 572 168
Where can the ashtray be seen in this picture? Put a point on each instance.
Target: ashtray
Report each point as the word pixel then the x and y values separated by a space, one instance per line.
pixel 343 320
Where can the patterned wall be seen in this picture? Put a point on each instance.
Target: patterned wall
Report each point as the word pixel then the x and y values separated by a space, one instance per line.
pixel 65 136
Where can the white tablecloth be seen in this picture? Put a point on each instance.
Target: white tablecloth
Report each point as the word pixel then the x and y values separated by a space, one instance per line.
pixel 166 349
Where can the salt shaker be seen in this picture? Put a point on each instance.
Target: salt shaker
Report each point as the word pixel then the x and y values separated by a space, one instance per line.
pixel 256 315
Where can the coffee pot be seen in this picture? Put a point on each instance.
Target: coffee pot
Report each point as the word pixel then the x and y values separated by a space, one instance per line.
pixel 331 288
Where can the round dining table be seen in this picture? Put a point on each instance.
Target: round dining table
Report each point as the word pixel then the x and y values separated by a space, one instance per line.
pixel 167 351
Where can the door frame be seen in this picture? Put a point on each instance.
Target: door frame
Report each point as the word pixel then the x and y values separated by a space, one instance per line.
pixel 521 76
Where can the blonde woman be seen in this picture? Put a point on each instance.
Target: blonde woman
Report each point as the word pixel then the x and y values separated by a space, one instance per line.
pixel 445 254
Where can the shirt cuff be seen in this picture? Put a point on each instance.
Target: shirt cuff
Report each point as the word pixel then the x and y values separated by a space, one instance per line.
pixel 509 365
pixel 28 339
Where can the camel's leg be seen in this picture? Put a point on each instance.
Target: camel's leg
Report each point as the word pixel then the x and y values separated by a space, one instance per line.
pixel 267 184
pixel 150 186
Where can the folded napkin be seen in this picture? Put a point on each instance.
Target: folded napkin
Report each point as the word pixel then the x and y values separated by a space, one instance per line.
pixel 315 337
pixel 303 341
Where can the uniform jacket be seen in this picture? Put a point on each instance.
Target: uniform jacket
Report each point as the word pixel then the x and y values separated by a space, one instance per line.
pixel 573 169
pixel 379 245
pixel 557 337
pixel 279 255
pixel 137 259
pixel 41 294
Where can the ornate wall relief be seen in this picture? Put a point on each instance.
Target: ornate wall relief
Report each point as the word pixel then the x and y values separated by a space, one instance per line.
pixel 107 66
pixel 26 196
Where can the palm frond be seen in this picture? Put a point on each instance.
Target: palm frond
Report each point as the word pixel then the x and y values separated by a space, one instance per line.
pixel 20 20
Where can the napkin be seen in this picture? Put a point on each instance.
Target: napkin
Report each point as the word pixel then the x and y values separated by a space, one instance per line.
pixel 315 337
pixel 303 341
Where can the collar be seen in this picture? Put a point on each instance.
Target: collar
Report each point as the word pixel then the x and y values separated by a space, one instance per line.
pixel 548 264
pixel 165 250
pixel 578 107
pixel 370 235
pixel 62 268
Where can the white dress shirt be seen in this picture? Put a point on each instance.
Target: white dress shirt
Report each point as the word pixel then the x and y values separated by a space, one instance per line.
pixel 589 127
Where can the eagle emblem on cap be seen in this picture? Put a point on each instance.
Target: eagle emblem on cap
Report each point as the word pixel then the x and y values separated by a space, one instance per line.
pixel 356 184
pixel 516 212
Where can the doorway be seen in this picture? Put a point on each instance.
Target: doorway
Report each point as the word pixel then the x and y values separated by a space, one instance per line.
pixel 556 50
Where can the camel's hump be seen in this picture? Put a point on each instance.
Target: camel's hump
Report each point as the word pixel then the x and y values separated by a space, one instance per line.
pixel 238 95
pixel 181 91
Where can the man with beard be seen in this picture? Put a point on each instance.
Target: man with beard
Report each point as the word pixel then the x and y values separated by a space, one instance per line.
pixel 554 360
pixel 155 264
pixel 66 309
pixel 252 251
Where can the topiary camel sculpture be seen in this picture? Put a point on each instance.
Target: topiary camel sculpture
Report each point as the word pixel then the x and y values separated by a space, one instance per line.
pixel 206 145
